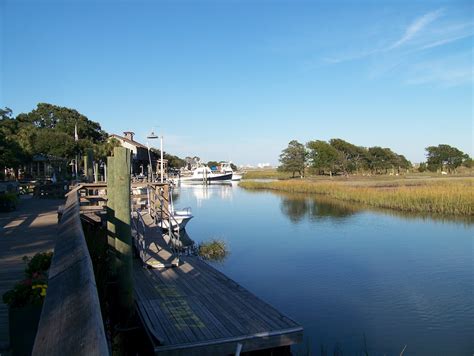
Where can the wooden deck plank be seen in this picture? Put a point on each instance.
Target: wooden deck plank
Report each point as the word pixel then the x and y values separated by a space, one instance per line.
pixel 202 311
pixel 30 229
pixel 244 299
pixel 256 306
pixel 224 308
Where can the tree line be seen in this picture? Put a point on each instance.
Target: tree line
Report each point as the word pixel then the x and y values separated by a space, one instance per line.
pixel 338 156
pixel 50 130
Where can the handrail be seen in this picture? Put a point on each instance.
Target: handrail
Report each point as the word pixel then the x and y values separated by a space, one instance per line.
pixel 71 320
pixel 173 233
pixel 139 239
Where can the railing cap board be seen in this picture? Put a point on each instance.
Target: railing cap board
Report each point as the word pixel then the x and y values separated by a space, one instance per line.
pixel 71 320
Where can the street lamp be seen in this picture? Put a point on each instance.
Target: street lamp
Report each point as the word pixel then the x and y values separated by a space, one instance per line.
pixel 151 136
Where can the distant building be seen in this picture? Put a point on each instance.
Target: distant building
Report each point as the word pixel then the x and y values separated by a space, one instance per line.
pixel 43 166
pixel 140 158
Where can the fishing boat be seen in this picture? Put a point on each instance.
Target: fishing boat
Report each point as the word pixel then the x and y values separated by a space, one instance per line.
pixel 205 174
pixel 226 167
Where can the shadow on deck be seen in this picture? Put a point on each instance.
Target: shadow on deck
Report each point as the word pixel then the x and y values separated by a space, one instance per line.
pixel 195 309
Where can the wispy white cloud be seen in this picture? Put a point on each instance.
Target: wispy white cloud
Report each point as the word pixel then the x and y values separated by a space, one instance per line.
pixel 416 26
pixel 445 41
pixel 410 57
pixel 450 71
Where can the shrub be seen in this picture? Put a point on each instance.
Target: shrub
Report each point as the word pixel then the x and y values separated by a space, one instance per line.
pixel 8 201
pixel 214 250
pixel 31 290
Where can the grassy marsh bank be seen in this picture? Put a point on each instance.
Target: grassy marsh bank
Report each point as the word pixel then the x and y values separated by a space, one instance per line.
pixel 269 173
pixel 453 196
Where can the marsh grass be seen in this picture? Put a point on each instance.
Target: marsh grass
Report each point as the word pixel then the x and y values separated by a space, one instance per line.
pixel 438 196
pixel 266 174
pixel 213 250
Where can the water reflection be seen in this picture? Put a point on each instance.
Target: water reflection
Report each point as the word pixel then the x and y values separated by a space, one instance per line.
pixel 201 192
pixel 297 207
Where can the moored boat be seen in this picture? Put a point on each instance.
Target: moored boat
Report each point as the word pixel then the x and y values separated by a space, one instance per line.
pixel 226 167
pixel 205 174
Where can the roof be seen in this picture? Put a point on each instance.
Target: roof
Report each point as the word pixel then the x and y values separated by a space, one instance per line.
pixel 132 142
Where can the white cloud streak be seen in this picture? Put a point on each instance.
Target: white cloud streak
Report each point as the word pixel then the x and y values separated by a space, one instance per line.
pixel 416 26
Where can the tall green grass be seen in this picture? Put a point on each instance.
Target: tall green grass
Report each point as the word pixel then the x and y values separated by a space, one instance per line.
pixel 443 196
pixel 269 173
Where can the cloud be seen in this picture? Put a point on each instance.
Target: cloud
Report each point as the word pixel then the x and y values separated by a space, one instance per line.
pixel 444 41
pixel 416 26
pixel 449 71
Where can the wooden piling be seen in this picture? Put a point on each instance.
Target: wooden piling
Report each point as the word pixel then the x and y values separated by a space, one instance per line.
pixel 96 172
pixel 111 216
pixel 123 236
pixel 90 161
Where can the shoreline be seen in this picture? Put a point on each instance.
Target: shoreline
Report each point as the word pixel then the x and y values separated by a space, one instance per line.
pixel 439 196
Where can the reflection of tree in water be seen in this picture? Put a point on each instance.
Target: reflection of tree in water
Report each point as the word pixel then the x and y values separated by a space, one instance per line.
pixel 321 210
pixel 296 207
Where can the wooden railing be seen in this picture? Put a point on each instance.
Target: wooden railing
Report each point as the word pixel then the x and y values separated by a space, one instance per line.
pixel 71 321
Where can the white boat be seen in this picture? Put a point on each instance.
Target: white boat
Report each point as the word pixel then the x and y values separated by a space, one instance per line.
pixel 205 174
pixel 178 219
pixel 226 167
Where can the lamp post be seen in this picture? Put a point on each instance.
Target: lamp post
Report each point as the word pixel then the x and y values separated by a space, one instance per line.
pixel 151 136
pixel 161 158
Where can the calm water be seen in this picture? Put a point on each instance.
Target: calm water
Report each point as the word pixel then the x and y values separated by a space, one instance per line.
pixel 345 272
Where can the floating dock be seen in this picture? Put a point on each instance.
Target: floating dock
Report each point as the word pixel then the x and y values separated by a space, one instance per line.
pixel 193 309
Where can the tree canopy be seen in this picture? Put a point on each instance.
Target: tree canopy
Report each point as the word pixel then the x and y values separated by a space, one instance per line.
pixel 323 157
pixel 293 158
pixel 445 156
pixel 48 130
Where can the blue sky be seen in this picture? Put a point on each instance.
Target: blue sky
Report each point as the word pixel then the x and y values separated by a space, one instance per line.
pixel 239 79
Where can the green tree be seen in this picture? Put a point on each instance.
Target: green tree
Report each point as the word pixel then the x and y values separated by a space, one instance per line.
pixel 381 159
pixel 352 157
pixel 212 164
pixel 173 161
pixel 11 152
pixel 467 162
pixel 105 149
pixel 62 119
pixel 323 157
pixel 444 156
pixel 293 158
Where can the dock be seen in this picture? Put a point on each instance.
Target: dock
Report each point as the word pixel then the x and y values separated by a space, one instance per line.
pixel 185 305
pixel 190 308
pixel 193 309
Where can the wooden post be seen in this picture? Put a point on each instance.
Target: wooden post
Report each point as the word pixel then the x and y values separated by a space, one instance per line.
pixel 88 162
pixel 85 159
pixel 123 238
pixel 111 216
pixel 96 172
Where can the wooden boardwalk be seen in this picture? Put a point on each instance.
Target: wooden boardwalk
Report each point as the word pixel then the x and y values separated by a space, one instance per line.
pixel 30 229
pixel 194 309
pixel 156 252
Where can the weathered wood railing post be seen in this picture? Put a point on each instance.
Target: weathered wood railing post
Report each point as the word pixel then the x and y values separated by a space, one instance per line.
pixel 123 235
pixel 88 163
pixel 111 217
pixel 96 172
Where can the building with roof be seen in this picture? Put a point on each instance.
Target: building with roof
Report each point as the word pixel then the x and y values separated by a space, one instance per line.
pixel 140 155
